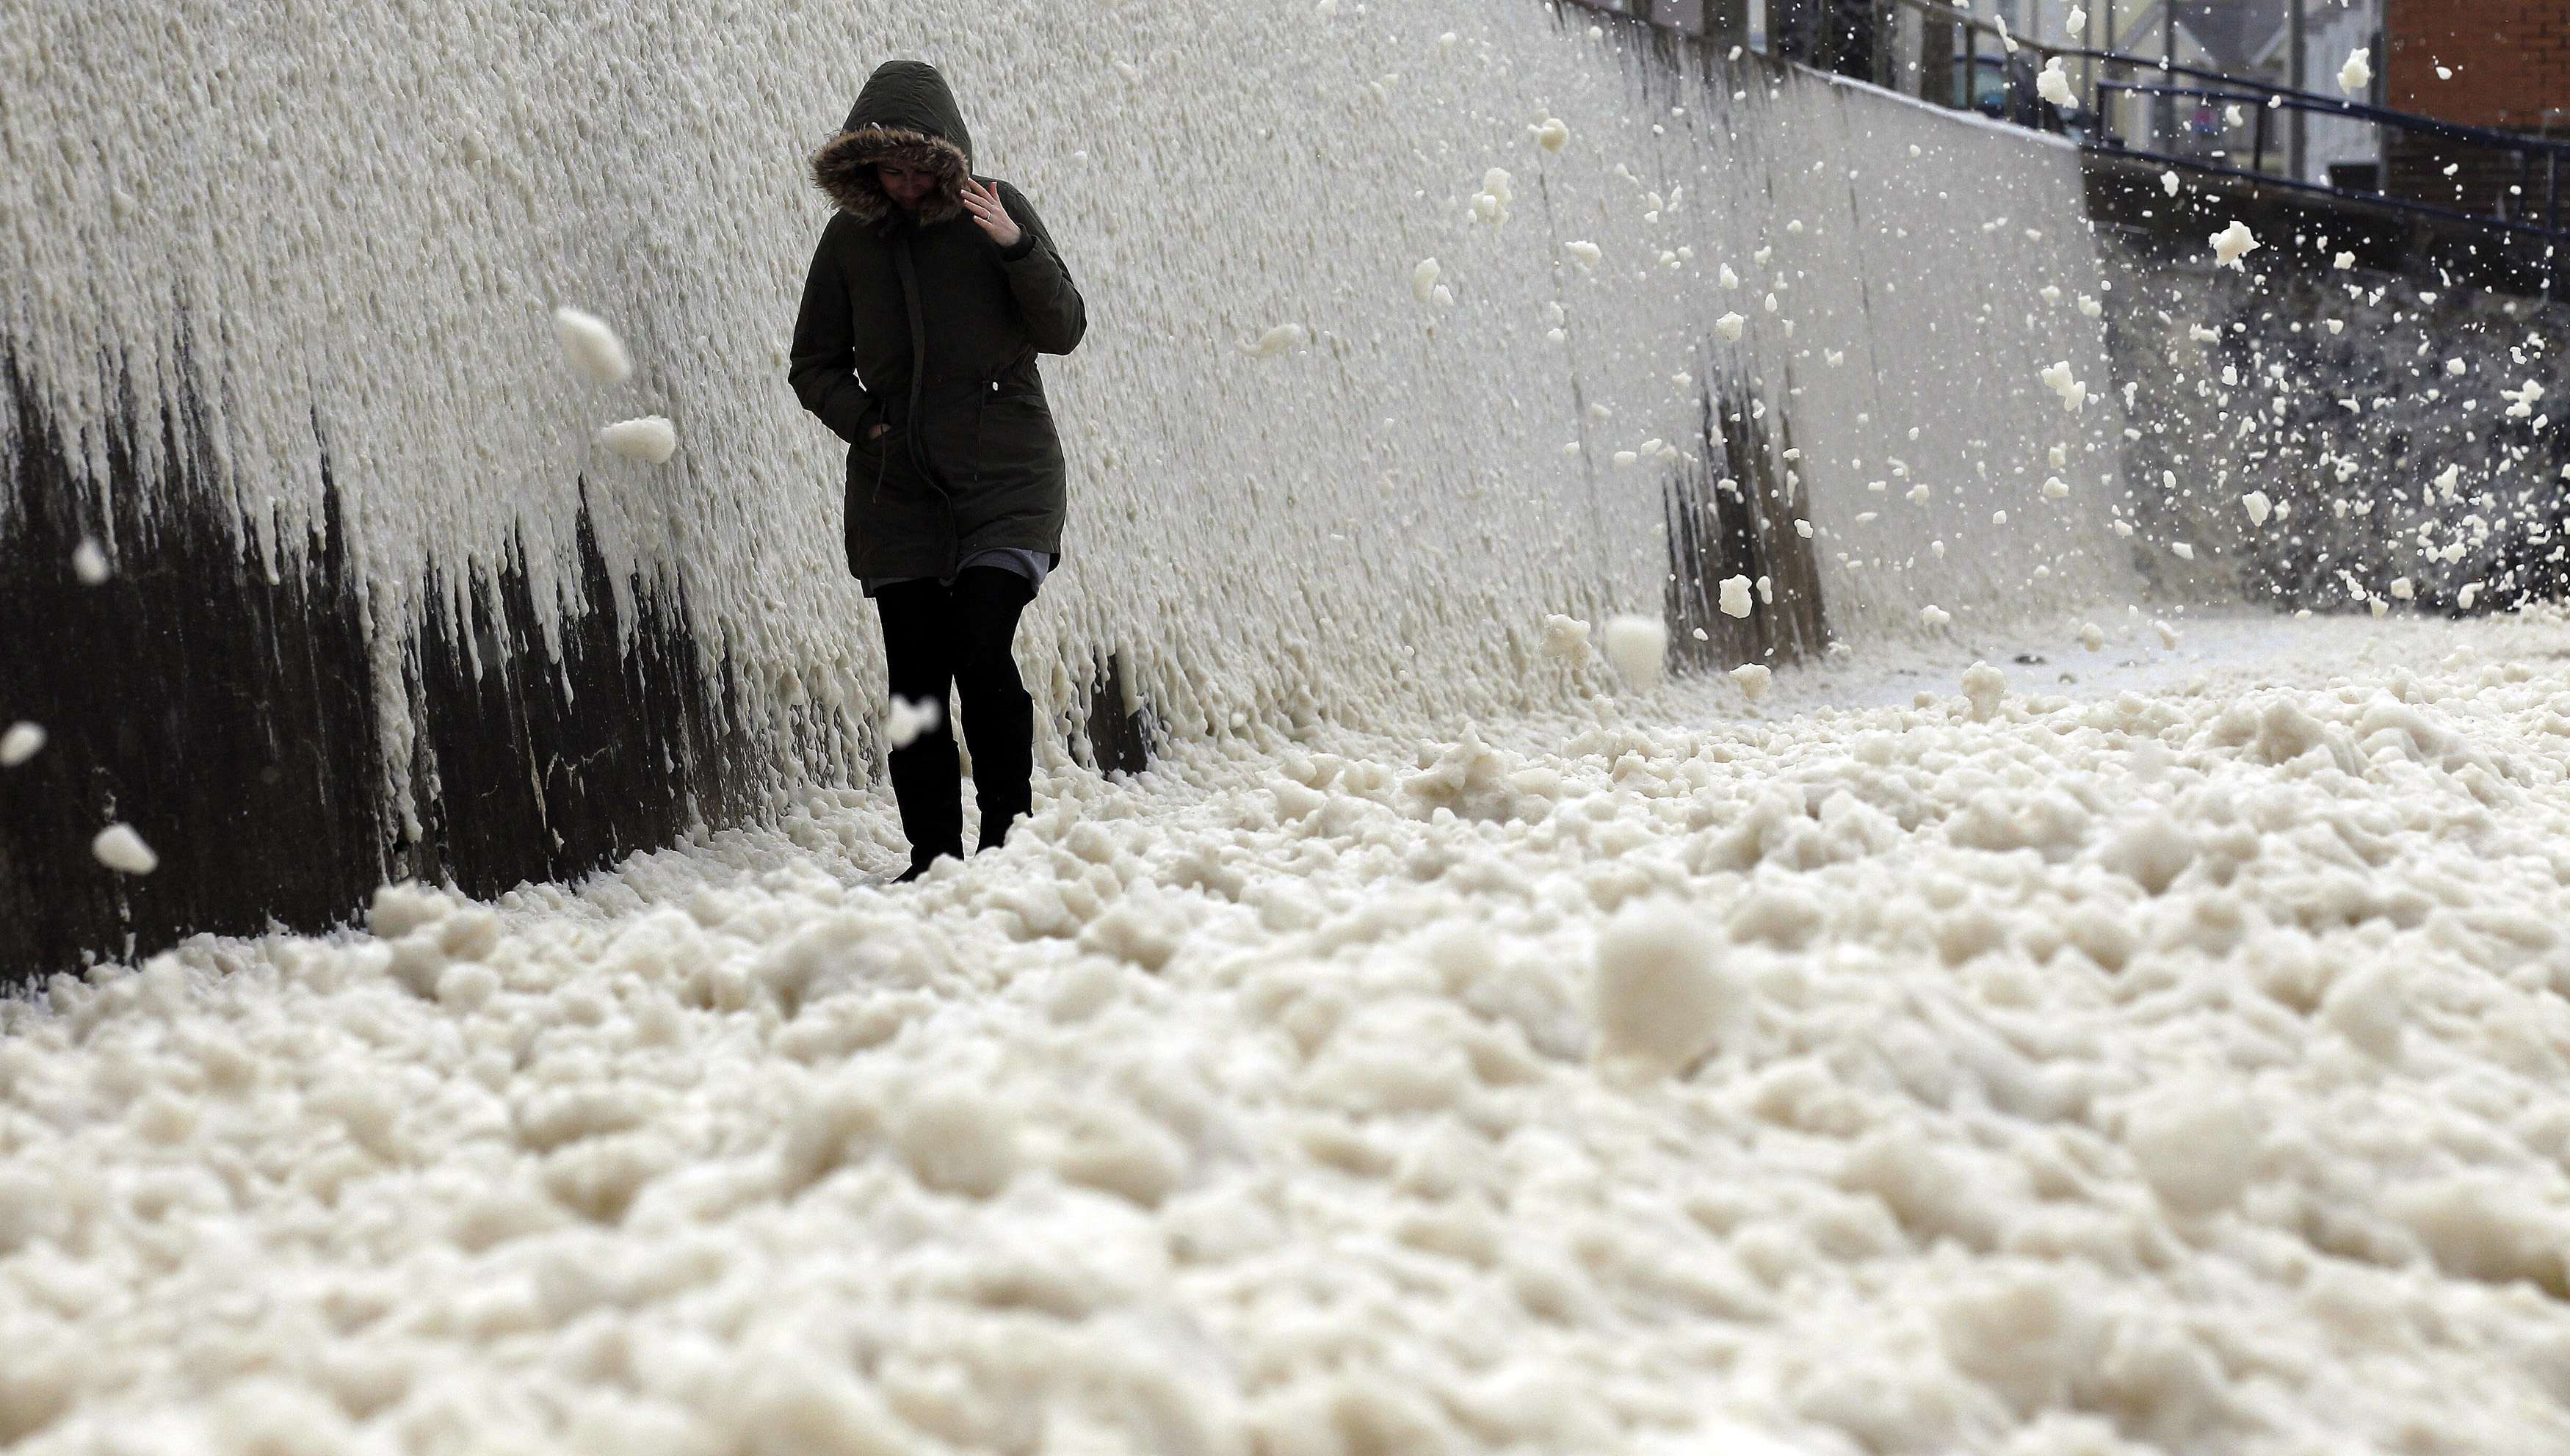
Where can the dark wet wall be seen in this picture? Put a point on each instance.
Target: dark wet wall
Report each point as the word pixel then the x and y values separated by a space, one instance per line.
pixel 221 703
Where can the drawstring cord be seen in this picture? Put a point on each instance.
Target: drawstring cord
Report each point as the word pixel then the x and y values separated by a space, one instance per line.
pixel 981 408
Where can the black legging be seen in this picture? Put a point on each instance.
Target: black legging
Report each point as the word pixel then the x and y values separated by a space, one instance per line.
pixel 963 635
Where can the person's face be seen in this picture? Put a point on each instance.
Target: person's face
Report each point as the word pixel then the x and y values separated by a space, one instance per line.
pixel 906 186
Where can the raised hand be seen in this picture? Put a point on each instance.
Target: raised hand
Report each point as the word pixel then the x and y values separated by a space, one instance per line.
pixel 986 210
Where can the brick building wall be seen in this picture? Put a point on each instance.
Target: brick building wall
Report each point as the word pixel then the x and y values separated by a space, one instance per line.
pixel 2510 58
pixel 2510 70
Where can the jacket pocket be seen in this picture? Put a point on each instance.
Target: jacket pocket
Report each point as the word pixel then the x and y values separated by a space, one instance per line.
pixel 877 418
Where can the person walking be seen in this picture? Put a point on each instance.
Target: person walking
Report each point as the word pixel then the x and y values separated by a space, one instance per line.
pixel 931 293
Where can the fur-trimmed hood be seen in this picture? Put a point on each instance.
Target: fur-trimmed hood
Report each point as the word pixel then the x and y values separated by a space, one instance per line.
pixel 905 115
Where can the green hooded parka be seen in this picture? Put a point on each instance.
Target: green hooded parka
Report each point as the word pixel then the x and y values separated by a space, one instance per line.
pixel 918 321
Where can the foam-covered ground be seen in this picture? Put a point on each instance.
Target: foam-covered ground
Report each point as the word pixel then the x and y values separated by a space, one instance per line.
pixel 2166 1060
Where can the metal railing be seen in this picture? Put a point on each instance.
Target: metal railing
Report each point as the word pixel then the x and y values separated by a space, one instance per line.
pixel 2229 124
pixel 2151 107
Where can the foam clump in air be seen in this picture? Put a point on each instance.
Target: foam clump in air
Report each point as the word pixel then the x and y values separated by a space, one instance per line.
pixel 1934 615
pixel 1586 252
pixel 21 742
pixel 911 718
pixel 591 348
pixel 1731 326
pixel 88 563
pixel 2233 243
pixel 652 439
pixel 2057 377
pixel 1280 339
pixel 1735 595
pixel 1552 134
pixel 1422 279
pixel 119 848
pixel 1490 204
pixel 2356 76
pixel 1639 648
pixel 1565 638
pixel 1755 679
pixel 2258 506
pixel 2053 85
pixel 1662 998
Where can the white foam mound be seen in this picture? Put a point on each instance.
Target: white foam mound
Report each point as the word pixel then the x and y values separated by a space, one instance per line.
pixel 1662 996
pixel 1984 686
pixel 650 439
pixel 589 348
pixel 959 1138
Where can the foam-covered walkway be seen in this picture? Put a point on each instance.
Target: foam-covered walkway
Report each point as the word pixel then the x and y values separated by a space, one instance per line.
pixel 2162 1061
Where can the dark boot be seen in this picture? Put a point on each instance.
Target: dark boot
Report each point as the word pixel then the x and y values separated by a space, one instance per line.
pixel 917 868
pixel 927 779
pixel 927 784
pixel 999 712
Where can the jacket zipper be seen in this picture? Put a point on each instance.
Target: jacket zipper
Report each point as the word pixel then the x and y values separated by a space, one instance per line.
pixel 902 260
pixel 981 408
